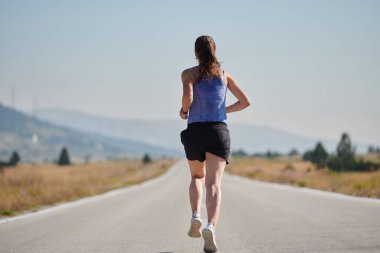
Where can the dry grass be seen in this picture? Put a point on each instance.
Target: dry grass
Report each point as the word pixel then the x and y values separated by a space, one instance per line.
pixel 294 171
pixel 28 186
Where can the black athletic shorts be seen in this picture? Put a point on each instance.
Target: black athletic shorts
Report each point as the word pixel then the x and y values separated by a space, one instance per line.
pixel 199 137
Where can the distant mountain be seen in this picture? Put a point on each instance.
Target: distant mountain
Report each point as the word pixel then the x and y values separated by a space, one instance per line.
pixel 37 140
pixel 165 133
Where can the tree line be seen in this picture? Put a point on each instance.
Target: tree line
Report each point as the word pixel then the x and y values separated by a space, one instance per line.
pixel 15 158
pixel 343 160
pixel 63 159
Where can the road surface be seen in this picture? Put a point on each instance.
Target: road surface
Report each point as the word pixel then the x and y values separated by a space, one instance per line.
pixel 154 217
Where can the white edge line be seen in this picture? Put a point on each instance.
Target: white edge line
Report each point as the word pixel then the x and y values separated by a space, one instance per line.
pixel 104 195
pixel 303 189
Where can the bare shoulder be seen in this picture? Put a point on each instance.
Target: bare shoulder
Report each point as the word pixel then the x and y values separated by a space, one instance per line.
pixel 229 77
pixel 188 74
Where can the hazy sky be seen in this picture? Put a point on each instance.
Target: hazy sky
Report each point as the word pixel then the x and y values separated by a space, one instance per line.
pixel 310 67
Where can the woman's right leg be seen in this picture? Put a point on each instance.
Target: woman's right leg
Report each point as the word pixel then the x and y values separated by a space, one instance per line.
pixel 214 171
pixel 197 170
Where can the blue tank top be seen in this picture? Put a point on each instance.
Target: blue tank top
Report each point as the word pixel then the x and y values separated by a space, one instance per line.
pixel 209 101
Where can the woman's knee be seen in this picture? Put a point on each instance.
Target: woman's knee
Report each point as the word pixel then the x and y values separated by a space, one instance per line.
pixel 211 184
pixel 197 176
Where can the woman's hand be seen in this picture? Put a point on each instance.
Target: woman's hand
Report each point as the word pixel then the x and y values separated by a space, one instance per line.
pixel 243 100
pixel 182 114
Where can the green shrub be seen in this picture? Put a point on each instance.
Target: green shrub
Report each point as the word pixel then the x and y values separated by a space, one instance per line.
pixel 301 183
pixel 318 156
pixel 15 158
pixel 146 158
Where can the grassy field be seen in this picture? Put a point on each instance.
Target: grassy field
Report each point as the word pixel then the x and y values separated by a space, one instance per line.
pixel 292 170
pixel 28 187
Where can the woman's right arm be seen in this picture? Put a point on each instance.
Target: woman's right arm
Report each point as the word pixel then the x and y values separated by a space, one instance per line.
pixel 243 100
pixel 187 96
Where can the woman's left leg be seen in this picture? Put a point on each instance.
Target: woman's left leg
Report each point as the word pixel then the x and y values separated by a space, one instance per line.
pixel 197 170
pixel 214 172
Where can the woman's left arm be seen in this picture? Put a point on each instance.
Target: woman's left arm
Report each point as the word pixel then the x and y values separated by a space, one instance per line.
pixel 187 96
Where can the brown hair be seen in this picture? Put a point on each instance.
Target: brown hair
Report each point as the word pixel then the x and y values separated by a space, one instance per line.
pixel 208 63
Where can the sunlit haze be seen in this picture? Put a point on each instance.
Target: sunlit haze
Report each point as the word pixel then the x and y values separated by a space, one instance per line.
pixel 309 67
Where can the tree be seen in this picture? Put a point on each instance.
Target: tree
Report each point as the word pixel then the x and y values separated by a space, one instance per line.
pixel 239 153
pixel 146 158
pixel 345 158
pixel 373 149
pixel 293 151
pixel 344 149
pixel 307 156
pixel 87 159
pixel 64 158
pixel 14 159
pixel 346 153
pixel 272 154
pixel 317 156
pixel 320 155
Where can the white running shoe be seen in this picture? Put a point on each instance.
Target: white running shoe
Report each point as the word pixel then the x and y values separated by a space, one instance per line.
pixel 208 234
pixel 195 227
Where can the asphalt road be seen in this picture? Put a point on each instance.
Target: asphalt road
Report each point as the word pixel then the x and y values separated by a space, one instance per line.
pixel 154 217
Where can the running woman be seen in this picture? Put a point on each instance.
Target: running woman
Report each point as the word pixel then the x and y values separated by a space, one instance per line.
pixel 206 139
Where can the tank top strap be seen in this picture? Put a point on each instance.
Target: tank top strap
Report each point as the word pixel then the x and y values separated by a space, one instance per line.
pixel 224 76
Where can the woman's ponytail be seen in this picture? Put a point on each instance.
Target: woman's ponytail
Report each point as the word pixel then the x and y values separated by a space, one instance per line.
pixel 208 63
